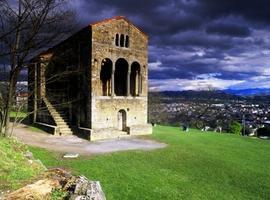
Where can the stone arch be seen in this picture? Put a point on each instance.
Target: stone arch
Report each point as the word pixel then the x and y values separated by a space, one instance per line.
pixel 122 120
pixel 135 79
pixel 106 76
pixel 120 77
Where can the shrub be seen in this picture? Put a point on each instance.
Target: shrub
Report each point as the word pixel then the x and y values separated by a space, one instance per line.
pixel 58 194
pixel 235 128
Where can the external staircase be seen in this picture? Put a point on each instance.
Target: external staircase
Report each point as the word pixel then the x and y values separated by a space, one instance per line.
pixel 59 117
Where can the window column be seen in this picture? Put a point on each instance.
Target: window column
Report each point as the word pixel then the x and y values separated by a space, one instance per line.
pixel 140 84
pixel 112 88
pixel 128 80
pixel 137 83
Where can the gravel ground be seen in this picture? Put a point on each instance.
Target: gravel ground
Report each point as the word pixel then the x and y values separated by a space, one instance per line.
pixel 73 144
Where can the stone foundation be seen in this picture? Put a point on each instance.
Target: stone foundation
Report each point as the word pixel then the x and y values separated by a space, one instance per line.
pixel 110 133
pixel 140 129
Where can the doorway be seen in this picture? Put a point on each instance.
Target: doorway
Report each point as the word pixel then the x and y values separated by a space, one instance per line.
pixel 122 120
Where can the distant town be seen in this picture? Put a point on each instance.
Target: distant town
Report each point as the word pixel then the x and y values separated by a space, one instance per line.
pixel 209 110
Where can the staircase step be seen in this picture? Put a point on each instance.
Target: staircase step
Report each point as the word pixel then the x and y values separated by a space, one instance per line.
pixel 61 123
pixel 65 129
pixel 66 133
pixel 59 116
pixel 63 126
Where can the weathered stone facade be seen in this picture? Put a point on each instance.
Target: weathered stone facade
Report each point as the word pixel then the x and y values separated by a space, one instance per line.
pixel 105 93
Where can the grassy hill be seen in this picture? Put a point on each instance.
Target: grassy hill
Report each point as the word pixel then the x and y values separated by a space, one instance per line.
pixel 196 165
pixel 15 169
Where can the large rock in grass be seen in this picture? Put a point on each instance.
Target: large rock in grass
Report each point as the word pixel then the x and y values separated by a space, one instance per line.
pixel 83 189
pixel 55 180
pixel 39 190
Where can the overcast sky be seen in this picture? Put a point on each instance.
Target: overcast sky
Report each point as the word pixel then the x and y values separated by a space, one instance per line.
pixel 197 44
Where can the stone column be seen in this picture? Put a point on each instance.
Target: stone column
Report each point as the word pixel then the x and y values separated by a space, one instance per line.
pixel 112 78
pixel 128 81
pixel 42 80
pixel 140 84
pixel 35 91
pixel 137 84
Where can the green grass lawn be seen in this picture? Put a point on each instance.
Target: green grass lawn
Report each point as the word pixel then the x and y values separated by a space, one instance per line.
pixel 193 166
pixel 15 114
pixel 15 170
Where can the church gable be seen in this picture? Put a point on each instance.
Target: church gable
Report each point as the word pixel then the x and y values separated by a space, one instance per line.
pixel 119 32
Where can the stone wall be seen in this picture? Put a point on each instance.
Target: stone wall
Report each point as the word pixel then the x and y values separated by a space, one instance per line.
pixel 105 108
pixel 65 66
pixel 85 52
pixel 103 46
pixel 106 111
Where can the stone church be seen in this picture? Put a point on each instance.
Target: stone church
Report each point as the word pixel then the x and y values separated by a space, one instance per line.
pixel 95 83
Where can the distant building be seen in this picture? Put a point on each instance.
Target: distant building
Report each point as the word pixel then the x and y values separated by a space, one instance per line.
pixel 21 98
pixel 95 82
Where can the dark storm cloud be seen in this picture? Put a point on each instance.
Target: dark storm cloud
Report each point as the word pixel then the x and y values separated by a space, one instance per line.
pixel 229 40
pixel 257 11
pixel 229 29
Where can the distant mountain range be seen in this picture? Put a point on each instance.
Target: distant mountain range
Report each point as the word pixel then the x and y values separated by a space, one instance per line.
pixel 249 92
pixel 192 94
pixel 219 94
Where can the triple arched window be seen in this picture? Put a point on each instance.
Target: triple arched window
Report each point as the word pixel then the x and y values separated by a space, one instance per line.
pixel 122 40
pixel 121 81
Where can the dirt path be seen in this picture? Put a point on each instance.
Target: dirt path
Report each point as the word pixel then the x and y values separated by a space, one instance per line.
pixel 73 144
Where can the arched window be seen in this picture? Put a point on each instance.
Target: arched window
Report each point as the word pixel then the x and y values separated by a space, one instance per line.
pixel 105 76
pixel 135 79
pixel 122 40
pixel 117 39
pixel 120 77
pixel 127 41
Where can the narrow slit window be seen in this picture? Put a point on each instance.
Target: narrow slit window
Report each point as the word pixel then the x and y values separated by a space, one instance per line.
pixel 127 41
pixel 122 40
pixel 117 39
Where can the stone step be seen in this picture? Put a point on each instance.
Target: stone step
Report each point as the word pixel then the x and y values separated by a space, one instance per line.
pixel 62 123
pixel 63 126
pixel 61 118
pixel 56 112
pixel 65 129
pixel 56 116
pixel 66 132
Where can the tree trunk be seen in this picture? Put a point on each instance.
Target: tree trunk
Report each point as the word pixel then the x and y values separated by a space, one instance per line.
pixel 9 101
pixel 7 111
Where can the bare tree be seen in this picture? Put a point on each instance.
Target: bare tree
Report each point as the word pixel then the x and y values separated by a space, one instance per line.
pixel 26 28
